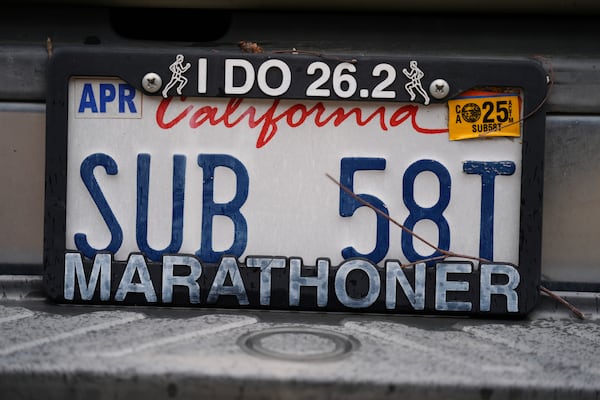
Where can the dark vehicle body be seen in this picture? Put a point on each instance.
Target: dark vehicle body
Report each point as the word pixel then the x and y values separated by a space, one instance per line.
pixel 104 351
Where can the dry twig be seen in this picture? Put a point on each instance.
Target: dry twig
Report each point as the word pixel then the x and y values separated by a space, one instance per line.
pixel 49 46
pixel 562 301
pixel 550 83
pixel 249 47
pixel 445 253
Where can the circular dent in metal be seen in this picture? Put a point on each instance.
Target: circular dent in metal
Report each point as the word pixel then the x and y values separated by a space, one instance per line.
pixel 298 344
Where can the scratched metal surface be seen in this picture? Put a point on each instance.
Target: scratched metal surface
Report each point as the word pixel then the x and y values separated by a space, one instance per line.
pixel 110 353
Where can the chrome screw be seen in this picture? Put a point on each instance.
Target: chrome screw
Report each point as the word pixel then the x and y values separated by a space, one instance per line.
pixel 439 88
pixel 151 82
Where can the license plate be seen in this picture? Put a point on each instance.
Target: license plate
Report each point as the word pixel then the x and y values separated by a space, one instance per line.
pixel 388 184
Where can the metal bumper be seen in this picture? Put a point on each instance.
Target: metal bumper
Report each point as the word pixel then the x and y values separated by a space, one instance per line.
pixel 58 352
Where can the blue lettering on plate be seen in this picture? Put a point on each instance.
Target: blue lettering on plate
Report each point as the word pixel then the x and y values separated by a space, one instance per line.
pixel 88 100
pixel 126 96
pixel 418 213
pixel 231 209
pixel 143 184
pixel 91 183
pixel 96 99
pixel 488 170
pixel 348 205
pixel 107 95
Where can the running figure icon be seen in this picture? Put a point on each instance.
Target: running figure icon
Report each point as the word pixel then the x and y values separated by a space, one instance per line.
pixel 415 74
pixel 177 69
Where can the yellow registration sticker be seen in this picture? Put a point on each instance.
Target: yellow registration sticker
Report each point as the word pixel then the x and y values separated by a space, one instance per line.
pixel 479 114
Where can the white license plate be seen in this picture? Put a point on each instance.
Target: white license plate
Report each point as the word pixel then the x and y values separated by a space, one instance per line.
pixel 190 197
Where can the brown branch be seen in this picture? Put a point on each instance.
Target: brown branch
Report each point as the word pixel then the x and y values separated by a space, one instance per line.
pixel 550 83
pixel 424 261
pixel 562 301
pixel 446 253
pixel 49 46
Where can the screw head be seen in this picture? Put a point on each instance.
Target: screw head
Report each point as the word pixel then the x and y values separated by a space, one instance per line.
pixel 151 82
pixel 439 88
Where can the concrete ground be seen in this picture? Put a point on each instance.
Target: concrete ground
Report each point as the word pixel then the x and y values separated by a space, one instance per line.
pixel 54 351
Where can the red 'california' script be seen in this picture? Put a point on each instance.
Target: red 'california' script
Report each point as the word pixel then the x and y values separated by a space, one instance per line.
pixel 295 115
